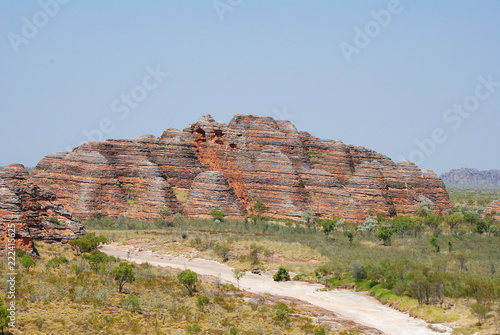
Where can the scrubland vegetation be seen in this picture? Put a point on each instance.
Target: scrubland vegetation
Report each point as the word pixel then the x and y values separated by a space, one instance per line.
pixel 440 268
pixel 443 268
pixel 474 197
pixel 92 293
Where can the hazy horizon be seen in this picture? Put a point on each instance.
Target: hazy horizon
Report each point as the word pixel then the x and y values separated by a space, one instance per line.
pixel 416 81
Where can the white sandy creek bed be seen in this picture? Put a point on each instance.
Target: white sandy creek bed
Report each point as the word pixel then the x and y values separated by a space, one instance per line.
pixel 356 306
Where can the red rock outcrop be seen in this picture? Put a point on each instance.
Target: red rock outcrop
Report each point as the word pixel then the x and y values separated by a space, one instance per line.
pixel 213 165
pixel 493 206
pixel 35 213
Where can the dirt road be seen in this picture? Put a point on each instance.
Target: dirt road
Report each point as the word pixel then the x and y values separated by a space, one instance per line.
pixel 356 306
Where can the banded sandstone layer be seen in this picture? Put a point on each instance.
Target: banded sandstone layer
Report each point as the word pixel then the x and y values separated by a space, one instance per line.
pixel 213 165
pixel 34 212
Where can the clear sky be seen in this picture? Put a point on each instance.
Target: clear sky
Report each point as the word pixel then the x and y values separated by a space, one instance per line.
pixel 416 80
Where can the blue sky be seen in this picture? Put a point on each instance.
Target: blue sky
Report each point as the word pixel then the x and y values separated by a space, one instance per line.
pixel 416 80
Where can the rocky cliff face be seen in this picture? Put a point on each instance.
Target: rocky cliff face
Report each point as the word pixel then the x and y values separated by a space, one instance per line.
pixel 472 177
pixel 213 165
pixel 34 212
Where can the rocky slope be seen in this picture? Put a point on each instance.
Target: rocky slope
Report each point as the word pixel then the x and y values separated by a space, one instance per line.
pixel 34 212
pixel 472 177
pixel 213 165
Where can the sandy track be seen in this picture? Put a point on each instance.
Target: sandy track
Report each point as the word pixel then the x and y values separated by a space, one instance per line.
pixel 356 306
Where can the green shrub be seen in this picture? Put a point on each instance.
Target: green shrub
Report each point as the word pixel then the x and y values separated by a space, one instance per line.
pixel 164 212
pixel 96 258
pixel 131 302
pixel 189 279
pixel 193 328
pixel 385 235
pixel 27 262
pixel 123 274
pixel 4 313
pixel 202 301
pixel 217 214
pixel 281 275
pixel 56 262
pixel 282 313
pixel 87 243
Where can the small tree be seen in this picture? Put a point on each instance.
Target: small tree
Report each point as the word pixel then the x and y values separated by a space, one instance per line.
pixel 340 224
pixel 27 261
pixel 189 279
pixel 328 226
pixel 123 274
pixel 481 311
pixel 131 302
pixel 217 214
pixel 370 225
pixel 87 243
pixel 359 272
pixel 238 274
pixel 453 220
pixel 96 258
pixel 202 301
pixel 350 236
pixel 385 235
pixel 258 208
pixel 281 275
pixel 307 216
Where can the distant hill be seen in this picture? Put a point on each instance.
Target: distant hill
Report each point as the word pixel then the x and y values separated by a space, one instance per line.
pixel 472 177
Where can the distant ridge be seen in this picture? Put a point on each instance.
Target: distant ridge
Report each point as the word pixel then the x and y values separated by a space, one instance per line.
pixel 472 177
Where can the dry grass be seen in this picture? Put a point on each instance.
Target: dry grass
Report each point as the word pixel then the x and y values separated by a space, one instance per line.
pixel 181 194
pixel 72 299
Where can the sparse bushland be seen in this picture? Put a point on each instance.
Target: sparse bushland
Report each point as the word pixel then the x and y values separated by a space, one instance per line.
pixel 434 285
pixel 472 197
pixel 71 298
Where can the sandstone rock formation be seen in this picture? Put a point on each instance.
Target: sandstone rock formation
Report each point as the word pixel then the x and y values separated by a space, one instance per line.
pixel 213 165
pixel 34 212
